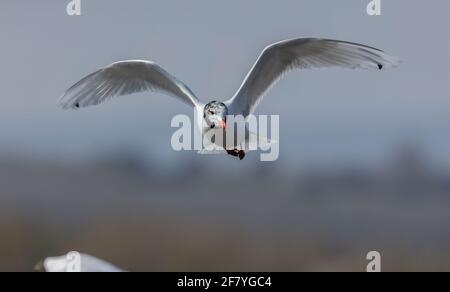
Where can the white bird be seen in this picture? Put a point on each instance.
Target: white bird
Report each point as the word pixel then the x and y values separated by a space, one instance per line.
pixel 127 77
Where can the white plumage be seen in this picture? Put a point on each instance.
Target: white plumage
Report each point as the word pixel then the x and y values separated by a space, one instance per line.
pixel 127 77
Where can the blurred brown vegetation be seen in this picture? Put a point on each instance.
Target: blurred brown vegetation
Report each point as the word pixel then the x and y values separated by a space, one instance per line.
pixel 261 220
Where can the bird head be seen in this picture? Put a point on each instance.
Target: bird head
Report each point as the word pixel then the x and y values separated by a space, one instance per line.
pixel 215 114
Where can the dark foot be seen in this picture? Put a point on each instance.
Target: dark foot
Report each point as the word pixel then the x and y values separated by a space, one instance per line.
pixel 237 153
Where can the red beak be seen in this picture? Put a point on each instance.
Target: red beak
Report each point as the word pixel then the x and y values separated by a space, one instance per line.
pixel 222 124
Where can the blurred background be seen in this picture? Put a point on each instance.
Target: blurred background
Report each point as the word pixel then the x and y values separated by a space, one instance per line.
pixel 364 162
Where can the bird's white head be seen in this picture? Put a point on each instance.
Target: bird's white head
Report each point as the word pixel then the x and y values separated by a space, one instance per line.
pixel 215 114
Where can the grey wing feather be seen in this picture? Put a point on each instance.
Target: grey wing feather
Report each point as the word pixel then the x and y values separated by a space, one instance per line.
pixel 123 78
pixel 282 57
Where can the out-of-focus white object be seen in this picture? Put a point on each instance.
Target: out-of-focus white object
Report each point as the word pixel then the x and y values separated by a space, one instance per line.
pixel 76 262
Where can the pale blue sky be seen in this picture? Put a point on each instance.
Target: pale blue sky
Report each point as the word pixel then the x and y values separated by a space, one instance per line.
pixel 327 115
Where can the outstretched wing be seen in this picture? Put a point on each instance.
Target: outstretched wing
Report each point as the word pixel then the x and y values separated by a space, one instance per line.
pixel 125 78
pixel 282 57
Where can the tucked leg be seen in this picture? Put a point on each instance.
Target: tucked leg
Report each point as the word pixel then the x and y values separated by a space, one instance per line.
pixel 237 153
pixel 234 153
pixel 241 154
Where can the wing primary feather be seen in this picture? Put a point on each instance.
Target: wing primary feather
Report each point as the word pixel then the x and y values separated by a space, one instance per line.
pixel 280 58
pixel 124 78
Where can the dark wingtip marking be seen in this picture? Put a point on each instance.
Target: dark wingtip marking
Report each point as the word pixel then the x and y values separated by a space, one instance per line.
pixel 380 66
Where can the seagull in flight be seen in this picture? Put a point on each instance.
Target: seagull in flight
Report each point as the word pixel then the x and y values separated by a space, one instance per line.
pixel 133 76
